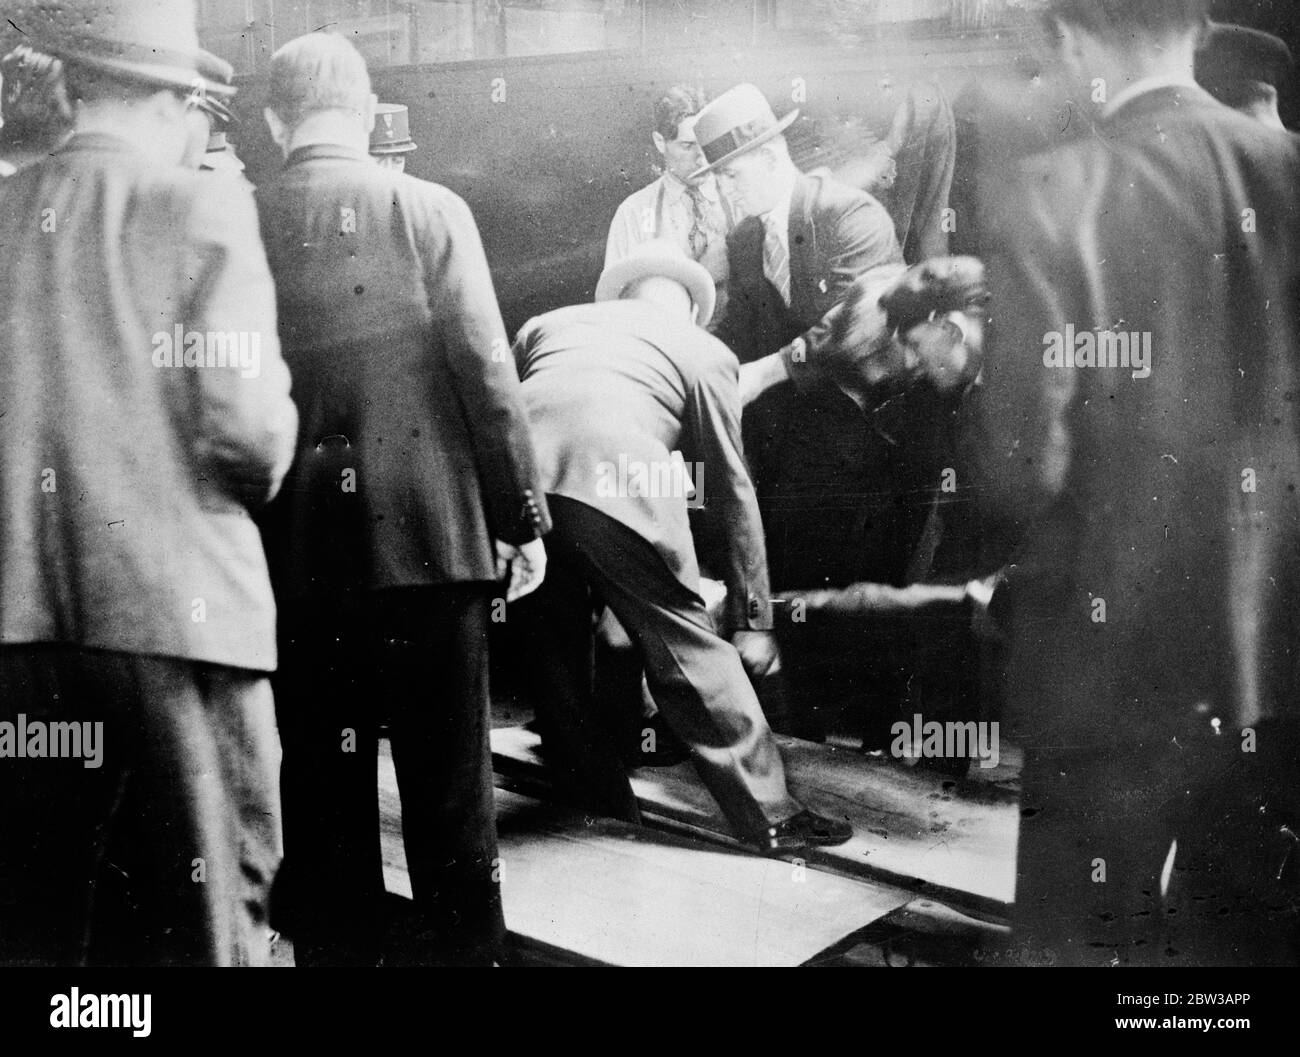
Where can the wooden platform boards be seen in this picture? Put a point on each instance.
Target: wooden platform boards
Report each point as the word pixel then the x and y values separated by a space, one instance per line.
pixel 953 841
pixel 607 892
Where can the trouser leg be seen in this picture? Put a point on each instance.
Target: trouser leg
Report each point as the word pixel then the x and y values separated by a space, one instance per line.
pixel 59 815
pixel 178 819
pixel 579 735
pixel 207 783
pixel 695 676
pixel 328 714
pixel 433 669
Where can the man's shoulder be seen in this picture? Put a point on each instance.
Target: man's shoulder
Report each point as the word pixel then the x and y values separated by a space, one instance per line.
pixel 640 198
pixel 1175 154
pixel 827 195
pixel 843 207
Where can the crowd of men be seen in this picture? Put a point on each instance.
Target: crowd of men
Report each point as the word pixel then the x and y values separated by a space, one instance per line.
pixel 270 465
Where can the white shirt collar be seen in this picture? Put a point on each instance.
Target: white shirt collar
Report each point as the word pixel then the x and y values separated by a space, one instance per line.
pixel 779 215
pixel 675 187
pixel 1145 85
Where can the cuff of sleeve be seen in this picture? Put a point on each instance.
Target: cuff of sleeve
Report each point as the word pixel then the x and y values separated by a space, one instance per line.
pixel 794 358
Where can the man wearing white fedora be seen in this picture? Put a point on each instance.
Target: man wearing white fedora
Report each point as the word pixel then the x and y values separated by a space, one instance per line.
pixel 135 606
pixel 630 400
pixel 803 242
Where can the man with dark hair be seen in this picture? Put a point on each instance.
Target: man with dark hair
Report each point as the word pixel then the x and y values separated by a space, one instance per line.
pixel 134 596
pixel 1245 69
pixel 1141 454
pixel 413 487
pixel 35 112
pixel 683 205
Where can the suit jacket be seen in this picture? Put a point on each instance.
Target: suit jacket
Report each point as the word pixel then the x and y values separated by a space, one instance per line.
pixel 612 390
pixel 1157 586
pixel 126 476
pixel 827 477
pixel 413 451
pixel 836 233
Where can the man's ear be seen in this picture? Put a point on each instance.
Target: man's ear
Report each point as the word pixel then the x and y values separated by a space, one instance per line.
pixel 661 144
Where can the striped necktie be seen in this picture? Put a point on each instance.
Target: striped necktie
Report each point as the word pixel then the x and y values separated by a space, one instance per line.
pixel 776 258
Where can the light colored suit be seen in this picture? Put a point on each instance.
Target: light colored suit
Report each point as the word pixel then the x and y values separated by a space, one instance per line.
pixel 133 589
pixel 126 486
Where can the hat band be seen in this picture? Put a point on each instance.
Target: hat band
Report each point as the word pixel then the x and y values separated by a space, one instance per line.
pixel 738 137
pixel 103 49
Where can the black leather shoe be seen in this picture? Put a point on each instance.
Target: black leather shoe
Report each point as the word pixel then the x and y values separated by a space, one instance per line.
pixel 804 830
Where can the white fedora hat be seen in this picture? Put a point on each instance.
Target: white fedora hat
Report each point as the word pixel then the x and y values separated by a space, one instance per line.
pixel 660 257
pixel 739 120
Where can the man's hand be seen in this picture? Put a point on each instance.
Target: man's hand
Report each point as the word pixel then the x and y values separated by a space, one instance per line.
pixel 758 652
pixel 527 564
pixel 758 377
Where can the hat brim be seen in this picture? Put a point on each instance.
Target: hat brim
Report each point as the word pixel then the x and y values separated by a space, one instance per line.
pixel 393 148
pixel 781 125
pixel 692 275
pixel 164 76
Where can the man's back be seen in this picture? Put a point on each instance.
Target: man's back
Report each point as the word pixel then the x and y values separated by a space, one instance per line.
pixel 620 382
pixel 412 451
pixel 125 473
pixel 1161 259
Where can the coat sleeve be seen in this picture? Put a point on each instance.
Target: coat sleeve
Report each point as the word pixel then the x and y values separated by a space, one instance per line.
pixel 736 327
pixel 732 534
pixel 244 423
pixel 1021 442
pixel 861 239
pixel 624 233
pixel 481 368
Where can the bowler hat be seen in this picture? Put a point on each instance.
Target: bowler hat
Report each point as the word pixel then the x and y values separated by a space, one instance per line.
pixel 152 42
pixel 392 133
pixel 739 120
pixel 660 257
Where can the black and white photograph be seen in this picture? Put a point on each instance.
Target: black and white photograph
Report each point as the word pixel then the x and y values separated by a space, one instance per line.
pixel 650 483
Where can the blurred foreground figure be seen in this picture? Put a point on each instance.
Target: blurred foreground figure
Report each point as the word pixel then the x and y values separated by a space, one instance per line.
pixel 147 410
pixel 390 139
pixel 1142 448
pixel 612 389
pixel 413 457
pixel 1245 69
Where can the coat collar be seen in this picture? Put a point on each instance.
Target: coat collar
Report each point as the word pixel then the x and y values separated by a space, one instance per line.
pixel 103 141
pixel 325 151
pixel 1158 99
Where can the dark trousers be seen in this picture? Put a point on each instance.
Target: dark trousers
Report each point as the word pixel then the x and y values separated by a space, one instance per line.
pixel 416 657
pixel 165 852
pixel 694 675
pixel 1099 828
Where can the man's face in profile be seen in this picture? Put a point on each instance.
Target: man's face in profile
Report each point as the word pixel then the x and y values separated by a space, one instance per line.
pixel 682 154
